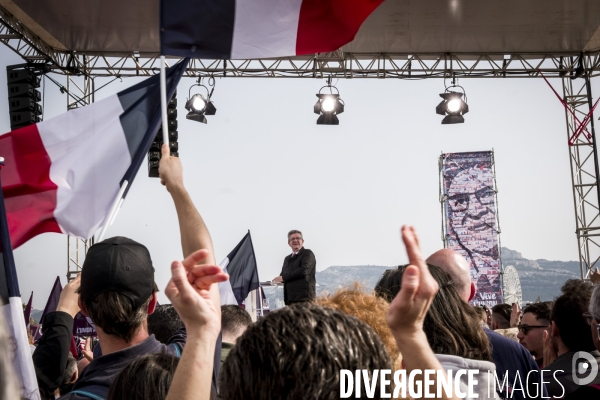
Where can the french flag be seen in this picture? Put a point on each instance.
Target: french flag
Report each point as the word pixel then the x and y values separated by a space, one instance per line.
pixel 12 320
pixel 63 175
pixel 239 29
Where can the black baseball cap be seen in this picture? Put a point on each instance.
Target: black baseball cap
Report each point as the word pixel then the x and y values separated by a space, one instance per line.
pixel 120 265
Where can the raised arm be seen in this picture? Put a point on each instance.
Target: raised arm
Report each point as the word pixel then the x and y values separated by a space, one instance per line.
pixel 201 317
pixel 50 355
pixel 193 230
pixel 408 310
pixel 194 233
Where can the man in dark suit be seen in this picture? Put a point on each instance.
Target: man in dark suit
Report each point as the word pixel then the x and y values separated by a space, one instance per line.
pixel 298 272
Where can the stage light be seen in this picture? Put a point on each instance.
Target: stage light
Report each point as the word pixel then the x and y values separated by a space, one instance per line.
pixel 452 106
pixel 199 106
pixel 328 106
pixel 198 102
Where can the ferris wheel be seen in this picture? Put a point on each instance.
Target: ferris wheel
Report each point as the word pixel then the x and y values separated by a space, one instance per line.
pixel 511 286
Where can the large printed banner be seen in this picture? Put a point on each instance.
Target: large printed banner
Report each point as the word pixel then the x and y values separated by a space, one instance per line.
pixel 471 223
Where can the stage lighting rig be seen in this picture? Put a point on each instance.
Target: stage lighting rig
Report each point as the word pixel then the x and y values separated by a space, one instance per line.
pixel 329 105
pixel 453 106
pixel 199 106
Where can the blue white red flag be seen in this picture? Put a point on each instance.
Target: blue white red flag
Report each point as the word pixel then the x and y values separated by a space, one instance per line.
pixel 12 310
pixel 64 174
pixel 239 29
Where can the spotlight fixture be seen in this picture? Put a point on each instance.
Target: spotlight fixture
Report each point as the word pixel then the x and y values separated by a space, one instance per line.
pixel 453 106
pixel 199 106
pixel 329 105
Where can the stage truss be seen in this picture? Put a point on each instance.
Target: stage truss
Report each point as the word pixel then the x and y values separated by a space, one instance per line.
pixel 583 155
pixel 80 92
pixel 81 69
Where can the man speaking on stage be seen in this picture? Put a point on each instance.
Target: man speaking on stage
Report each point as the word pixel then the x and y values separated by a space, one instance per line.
pixel 298 272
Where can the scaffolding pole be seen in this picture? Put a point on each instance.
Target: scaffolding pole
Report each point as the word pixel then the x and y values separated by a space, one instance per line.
pixel 584 172
pixel 80 93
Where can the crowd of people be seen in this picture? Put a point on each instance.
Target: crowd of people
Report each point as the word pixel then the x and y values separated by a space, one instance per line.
pixel 417 319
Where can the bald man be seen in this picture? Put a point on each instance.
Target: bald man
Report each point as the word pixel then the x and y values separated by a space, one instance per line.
pixel 459 270
pixel 509 356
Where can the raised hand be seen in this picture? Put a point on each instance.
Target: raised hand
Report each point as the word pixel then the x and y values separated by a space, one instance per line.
pixel 170 169
pixel 409 308
pixel 515 315
pixel 189 292
pixel 595 276
pixel 69 298
pixel 200 274
pixel 87 350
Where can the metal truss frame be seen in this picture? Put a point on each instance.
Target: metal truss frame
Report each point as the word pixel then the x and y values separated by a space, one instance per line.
pixel 14 35
pixel 345 65
pixel 76 251
pixel 80 92
pixel 336 64
pixel 82 68
pixel 583 155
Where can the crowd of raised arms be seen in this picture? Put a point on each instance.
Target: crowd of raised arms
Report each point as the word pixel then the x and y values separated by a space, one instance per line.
pixel 418 318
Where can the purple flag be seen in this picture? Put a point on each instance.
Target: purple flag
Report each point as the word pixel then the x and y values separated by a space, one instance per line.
pixel 83 326
pixel 52 302
pixel 27 311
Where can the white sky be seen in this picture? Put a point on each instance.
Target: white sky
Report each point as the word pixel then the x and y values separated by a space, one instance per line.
pixel 263 164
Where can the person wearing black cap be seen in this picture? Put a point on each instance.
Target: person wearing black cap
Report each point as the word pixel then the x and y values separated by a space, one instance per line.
pixel 118 292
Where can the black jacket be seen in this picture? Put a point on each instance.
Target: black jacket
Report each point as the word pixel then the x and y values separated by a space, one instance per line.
pixel 298 275
pixel 50 355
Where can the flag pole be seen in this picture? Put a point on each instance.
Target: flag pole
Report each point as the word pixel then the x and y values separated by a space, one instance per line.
pixel 163 101
pixel 113 210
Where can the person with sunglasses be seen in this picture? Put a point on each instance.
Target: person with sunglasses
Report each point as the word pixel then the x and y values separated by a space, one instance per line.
pixel 570 337
pixel 535 321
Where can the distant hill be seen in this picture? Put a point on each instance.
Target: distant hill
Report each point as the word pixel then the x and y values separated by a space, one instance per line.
pixel 336 277
pixel 541 278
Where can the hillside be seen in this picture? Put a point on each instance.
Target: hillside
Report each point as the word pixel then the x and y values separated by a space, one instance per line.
pixel 541 278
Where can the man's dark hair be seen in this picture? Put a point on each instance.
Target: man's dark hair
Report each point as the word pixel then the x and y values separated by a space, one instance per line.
pixel 575 284
pixel 145 378
pixel 503 312
pixel 567 315
pixel 297 353
pixel 389 284
pixel 541 310
pixel 234 318
pixel 164 322
pixel 452 326
pixel 114 313
pixel 290 233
